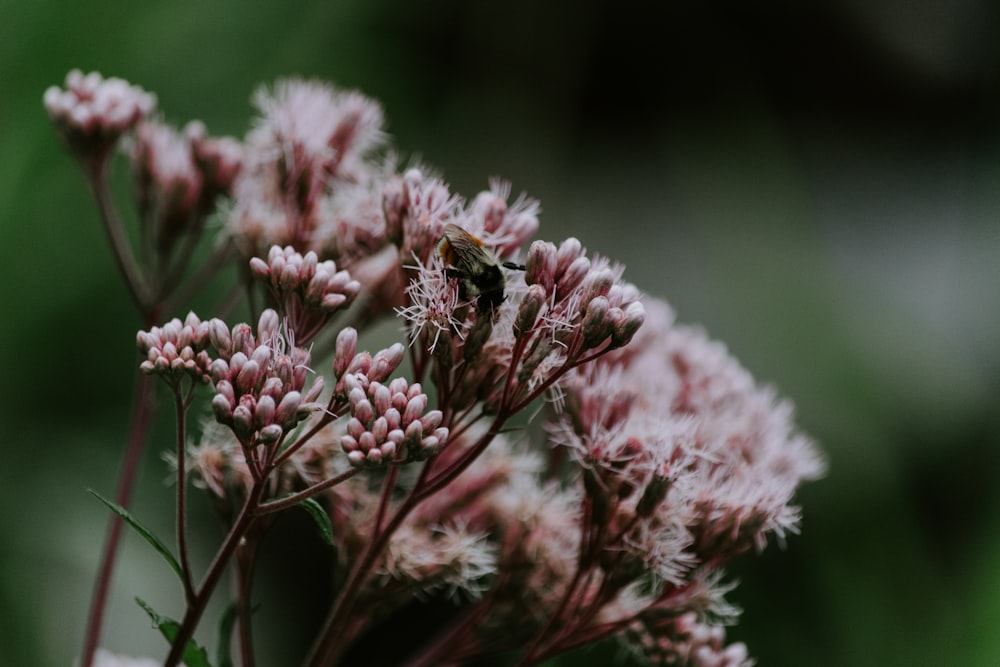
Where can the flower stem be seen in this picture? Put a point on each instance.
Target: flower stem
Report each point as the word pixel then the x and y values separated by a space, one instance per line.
pixel 141 412
pixel 182 544
pixel 198 605
pixel 97 177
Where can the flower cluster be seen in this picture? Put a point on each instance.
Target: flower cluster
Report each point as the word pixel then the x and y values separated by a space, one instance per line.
pixel 390 421
pixel 260 381
pixel 92 112
pixel 310 179
pixel 689 643
pixel 307 290
pixel 176 349
pixel 660 459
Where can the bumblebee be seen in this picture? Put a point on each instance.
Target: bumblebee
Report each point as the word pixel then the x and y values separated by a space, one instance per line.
pixel 478 272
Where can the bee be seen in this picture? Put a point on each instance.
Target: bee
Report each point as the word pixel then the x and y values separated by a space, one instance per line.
pixel 477 270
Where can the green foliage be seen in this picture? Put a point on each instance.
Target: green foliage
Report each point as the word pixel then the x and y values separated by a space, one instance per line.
pixel 147 535
pixel 321 518
pixel 194 655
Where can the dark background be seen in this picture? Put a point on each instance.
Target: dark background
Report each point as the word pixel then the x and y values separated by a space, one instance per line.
pixel 818 184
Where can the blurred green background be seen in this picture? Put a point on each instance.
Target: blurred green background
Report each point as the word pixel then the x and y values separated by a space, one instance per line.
pixel 818 184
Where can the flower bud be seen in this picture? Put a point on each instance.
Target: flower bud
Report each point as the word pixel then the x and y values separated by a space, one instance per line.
pixel 271 433
pixel 364 412
pixel 260 268
pixel 287 411
pixel 432 420
pixel 269 325
pixel 540 267
pixel 243 421
pixel 569 251
pixel 527 312
pixel 635 314
pixel 393 418
pixel 264 414
pixel 380 429
pixel 598 283
pixel 573 276
pixel 315 390
pixel 222 408
pixel 248 376
pixel 381 397
pixel 386 362
pixel 415 408
pixel 595 327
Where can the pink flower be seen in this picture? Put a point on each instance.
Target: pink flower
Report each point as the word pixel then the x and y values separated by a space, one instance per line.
pixel 168 183
pixel 308 170
pixel 261 381
pixel 307 291
pixel 390 422
pixel 176 349
pixel 92 112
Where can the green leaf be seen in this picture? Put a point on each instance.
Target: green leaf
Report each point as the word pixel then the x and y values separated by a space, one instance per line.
pixel 321 518
pixel 223 657
pixel 145 532
pixel 194 655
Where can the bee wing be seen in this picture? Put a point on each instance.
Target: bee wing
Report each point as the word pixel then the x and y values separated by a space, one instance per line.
pixel 464 251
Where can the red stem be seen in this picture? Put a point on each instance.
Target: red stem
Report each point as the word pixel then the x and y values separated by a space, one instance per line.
pixel 182 544
pixel 127 266
pixel 200 602
pixel 246 561
pixel 141 412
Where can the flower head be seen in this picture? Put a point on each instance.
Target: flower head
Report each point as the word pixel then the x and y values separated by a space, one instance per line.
pixel 261 381
pixel 312 145
pixel 93 112
pixel 307 291
pixel 176 349
pixel 389 422
pixel 168 183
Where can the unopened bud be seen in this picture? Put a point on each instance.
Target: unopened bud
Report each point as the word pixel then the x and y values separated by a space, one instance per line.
pixel 287 411
pixel 222 408
pixel 264 414
pixel 635 314
pixel 347 343
pixel 572 276
pixel 569 250
pixel 386 362
pixel 527 311
pixel 595 327
pixel 242 421
pixel 598 283
pixel 540 267
pixel 269 324
pixel 271 433
pixel 260 268
pixel 218 334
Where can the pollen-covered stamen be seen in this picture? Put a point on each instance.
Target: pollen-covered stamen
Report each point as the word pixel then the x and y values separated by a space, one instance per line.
pixel 434 305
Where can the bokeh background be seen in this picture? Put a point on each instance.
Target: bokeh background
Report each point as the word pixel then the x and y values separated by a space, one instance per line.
pixel 818 184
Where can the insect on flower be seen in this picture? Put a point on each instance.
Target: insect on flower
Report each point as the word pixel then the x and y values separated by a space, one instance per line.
pixel 475 267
